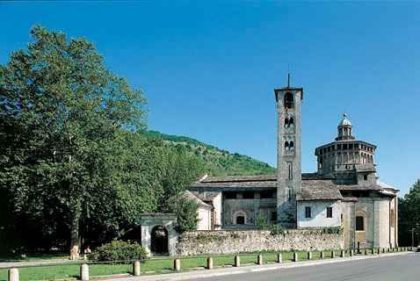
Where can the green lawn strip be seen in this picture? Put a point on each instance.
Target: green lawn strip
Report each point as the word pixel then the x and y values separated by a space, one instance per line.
pixel 45 272
pixel 35 257
pixel 109 269
pixel 224 260
pixel 66 271
pixel 155 265
pixel 316 255
pixel 3 274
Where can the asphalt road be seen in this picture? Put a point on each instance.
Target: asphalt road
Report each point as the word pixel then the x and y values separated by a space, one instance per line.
pixel 396 268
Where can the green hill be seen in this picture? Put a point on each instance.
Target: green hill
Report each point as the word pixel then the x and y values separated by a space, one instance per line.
pixel 218 162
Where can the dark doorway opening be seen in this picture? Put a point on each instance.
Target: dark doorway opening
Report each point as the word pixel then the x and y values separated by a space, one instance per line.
pixel 159 237
pixel 240 220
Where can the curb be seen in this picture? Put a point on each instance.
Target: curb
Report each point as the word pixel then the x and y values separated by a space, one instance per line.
pixel 247 269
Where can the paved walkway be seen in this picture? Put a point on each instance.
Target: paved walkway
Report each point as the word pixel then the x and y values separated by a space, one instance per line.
pixel 226 273
pixel 35 263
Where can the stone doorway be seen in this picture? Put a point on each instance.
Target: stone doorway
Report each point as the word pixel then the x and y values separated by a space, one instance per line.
pixel 158 234
pixel 159 237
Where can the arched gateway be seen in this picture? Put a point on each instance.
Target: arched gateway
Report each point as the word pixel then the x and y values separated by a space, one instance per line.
pixel 159 240
pixel 158 235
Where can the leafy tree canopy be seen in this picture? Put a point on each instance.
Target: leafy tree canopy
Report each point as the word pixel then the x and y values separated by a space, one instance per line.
pixel 62 113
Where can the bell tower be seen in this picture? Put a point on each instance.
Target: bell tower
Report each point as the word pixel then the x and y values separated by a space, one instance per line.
pixel 288 101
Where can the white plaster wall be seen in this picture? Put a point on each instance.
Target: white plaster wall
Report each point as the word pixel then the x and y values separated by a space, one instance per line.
pixel 348 223
pixel 382 223
pixel 204 218
pixel 217 205
pixel 319 214
pixel 365 207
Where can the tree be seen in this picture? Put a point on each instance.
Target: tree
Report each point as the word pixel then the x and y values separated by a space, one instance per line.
pixel 186 212
pixel 180 169
pixel 409 216
pixel 61 114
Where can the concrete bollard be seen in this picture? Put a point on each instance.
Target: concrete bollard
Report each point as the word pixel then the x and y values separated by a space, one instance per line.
pixel 322 255
pixel 13 274
pixel 209 263
pixel 84 272
pixel 295 257
pixel 237 261
pixel 351 252
pixel 136 268
pixel 279 258
pixel 309 255
pixel 332 254
pixel 177 264
pixel 342 254
pixel 259 259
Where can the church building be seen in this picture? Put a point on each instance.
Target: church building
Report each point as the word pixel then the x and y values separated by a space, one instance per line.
pixel 344 193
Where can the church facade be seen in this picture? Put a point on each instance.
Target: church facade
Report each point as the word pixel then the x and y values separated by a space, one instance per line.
pixel 344 193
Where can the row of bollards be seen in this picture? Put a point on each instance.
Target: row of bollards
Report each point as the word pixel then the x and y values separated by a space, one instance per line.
pixel 13 274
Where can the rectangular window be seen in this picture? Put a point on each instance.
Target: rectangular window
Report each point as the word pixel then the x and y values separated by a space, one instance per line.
pixel 308 212
pixel 365 177
pixel 267 194
pixel 329 212
pixel 230 195
pixel 248 195
pixel 290 170
pixel 359 223
pixel 273 216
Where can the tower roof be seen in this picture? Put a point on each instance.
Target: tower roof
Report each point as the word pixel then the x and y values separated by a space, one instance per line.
pixel 345 121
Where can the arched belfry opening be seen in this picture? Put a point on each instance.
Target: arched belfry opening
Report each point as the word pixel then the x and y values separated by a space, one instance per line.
pixel 159 240
pixel 288 100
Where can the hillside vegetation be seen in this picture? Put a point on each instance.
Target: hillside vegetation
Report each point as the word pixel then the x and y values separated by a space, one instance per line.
pixel 217 162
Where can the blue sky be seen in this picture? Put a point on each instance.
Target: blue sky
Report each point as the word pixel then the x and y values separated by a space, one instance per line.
pixel 208 69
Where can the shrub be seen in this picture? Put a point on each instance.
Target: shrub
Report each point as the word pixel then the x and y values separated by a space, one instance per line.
pixel 277 229
pixel 119 251
pixel 333 230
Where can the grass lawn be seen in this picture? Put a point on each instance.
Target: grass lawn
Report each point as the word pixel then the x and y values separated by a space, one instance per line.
pixel 35 257
pixel 152 266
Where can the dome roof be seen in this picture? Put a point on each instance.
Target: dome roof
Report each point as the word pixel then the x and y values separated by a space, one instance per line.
pixel 345 121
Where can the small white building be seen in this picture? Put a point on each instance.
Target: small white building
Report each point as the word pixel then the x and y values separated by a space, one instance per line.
pixel 319 207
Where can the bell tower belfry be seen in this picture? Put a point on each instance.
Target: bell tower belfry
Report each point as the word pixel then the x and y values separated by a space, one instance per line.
pixel 288 101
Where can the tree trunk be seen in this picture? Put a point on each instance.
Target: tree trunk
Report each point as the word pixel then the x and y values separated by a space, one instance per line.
pixel 74 237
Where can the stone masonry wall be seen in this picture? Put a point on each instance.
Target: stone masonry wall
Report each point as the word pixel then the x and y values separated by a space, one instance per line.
pixel 234 241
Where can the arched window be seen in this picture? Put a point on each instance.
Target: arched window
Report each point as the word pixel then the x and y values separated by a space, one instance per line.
pixel 288 100
pixel 286 145
pixel 291 121
pixel 291 146
pixel 286 122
